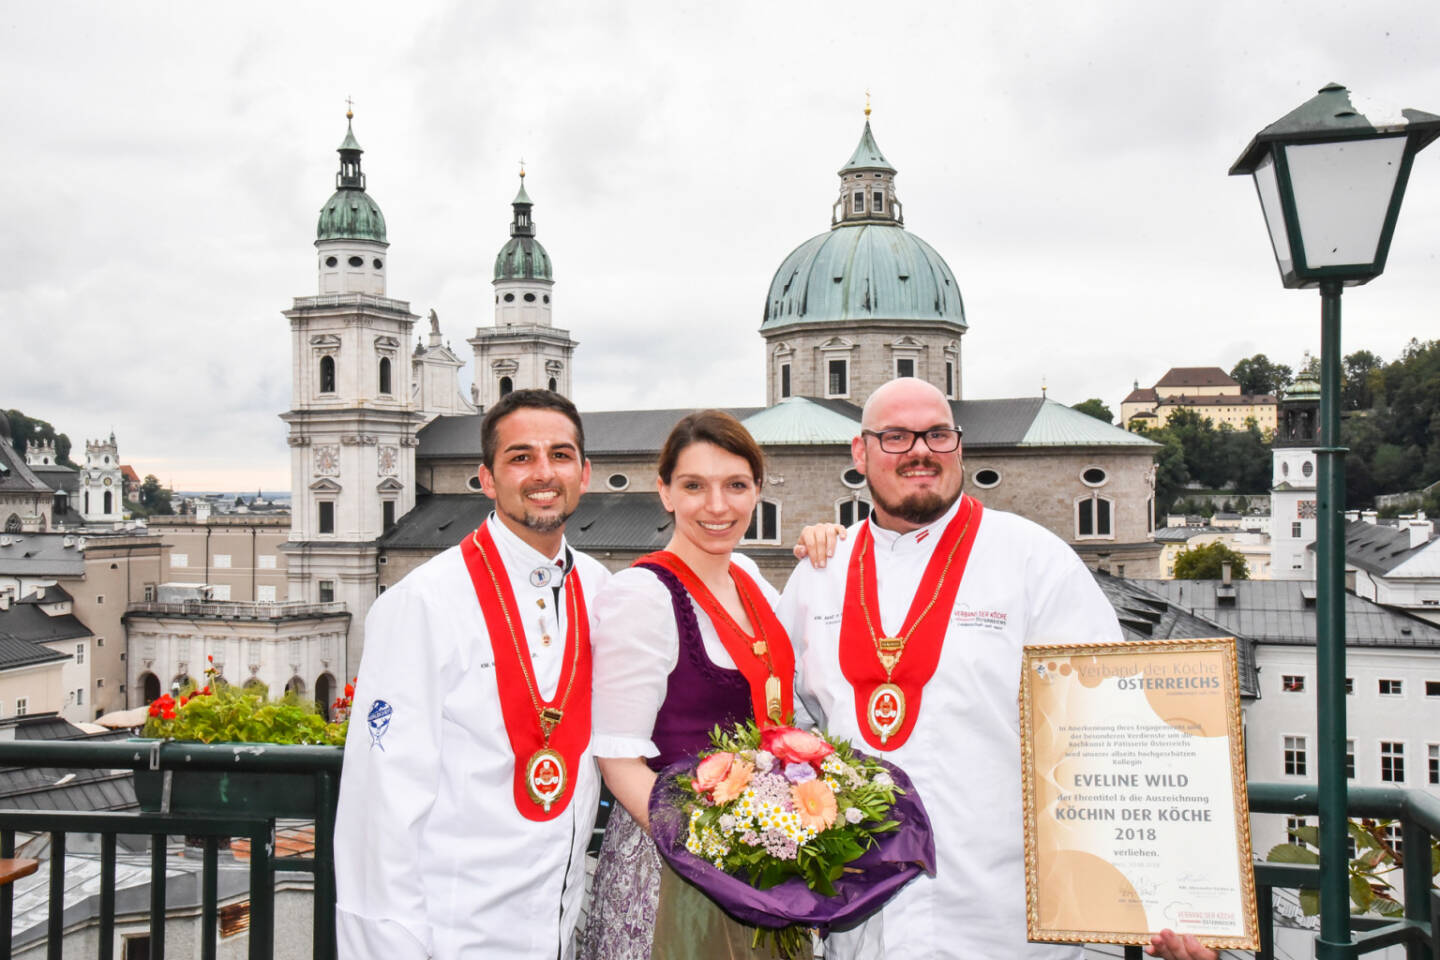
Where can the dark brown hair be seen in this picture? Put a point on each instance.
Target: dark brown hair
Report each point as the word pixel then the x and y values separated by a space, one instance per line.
pixel 521 400
pixel 711 426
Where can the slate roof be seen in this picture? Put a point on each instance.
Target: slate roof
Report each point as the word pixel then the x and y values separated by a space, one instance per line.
pixel 1145 615
pixel 1196 377
pixel 45 595
pixel 40 554
pixel 15 653
pixel 1142 395
pixel 15 476
pixel 1377 548
pixel 26 621
pixel 603 521
pixel 1230 400
pixel 1283 612
pixel 57 477
pixel 47 788
pixel 1014 422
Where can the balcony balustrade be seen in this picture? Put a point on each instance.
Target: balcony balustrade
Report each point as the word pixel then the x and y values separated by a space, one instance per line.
pixel 250 812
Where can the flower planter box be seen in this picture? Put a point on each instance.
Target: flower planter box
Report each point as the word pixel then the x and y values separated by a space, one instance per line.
pixel 288 792
pixel 286 795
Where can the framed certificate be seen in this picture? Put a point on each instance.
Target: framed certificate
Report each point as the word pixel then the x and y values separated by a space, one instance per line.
pixel 1136 817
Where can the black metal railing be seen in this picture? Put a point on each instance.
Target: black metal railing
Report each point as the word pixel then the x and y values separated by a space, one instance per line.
pixel 247 787
pixel 205 791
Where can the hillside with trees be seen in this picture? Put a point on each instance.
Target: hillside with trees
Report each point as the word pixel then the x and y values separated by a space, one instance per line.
pixel 1390 423
pixel 24 429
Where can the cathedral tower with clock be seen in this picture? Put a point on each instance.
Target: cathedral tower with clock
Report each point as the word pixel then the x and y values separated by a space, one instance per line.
pixel 352 419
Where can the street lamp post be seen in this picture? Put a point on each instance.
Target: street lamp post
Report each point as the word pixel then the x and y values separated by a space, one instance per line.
pixel 1331 175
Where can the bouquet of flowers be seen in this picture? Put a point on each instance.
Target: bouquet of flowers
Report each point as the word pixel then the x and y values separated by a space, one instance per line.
pixel 789 830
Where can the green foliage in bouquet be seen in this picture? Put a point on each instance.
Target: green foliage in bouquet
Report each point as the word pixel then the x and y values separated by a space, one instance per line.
pixel 1376 857
pixel 220 713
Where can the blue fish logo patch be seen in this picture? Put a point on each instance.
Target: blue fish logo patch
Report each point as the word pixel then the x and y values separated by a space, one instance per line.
pixel 379 721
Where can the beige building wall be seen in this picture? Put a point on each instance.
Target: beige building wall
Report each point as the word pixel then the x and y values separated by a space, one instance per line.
pixel 871 349
pixel 240 555
pixel 40 686
pixel 1235 414
pixel 118 571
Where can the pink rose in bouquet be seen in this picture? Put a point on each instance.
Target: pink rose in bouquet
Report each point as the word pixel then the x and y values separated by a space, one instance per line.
pixel 790 745
pixel 712 770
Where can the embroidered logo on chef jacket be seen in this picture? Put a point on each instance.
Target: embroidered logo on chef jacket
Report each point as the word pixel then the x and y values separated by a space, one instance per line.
pixel 379 721
pixel 967 617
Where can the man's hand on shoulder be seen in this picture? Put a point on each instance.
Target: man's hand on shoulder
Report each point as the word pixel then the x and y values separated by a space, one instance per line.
pixel 817 542
pixel 1172 946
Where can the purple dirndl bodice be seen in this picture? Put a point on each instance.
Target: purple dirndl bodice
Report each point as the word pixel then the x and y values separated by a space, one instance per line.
pixel 699 694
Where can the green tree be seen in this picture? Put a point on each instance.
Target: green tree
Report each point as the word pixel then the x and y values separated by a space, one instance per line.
pixel 1204 563
pixel 1095 408
pixel 1258 374
pixel 1363 379
pixel 24 429
pixel 153 497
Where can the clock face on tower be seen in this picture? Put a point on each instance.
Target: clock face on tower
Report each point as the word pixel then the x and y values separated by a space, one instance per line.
pixel 109 482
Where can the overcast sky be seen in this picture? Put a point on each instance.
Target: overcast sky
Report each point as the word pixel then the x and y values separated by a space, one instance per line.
pixel 162 166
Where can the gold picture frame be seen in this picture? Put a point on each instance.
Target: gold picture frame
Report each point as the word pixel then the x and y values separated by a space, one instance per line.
pixel 1133 803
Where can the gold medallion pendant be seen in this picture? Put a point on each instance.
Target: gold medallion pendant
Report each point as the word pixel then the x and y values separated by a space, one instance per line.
pixel 885 710
pixel 545 776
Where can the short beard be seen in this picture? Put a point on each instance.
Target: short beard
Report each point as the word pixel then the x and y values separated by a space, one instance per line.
pixel 546 524
pixel 918 508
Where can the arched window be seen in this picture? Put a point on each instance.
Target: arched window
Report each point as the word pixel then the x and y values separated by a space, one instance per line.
pixel 1094 518
pixel 851 510
pixel 149 687
pixel 385 375
pixel 506 385
pixel 327 374
pixel 296 686
pixel 87 501
pixel 12 525
pixel 108 501
pixel 324 694
pixel 553 385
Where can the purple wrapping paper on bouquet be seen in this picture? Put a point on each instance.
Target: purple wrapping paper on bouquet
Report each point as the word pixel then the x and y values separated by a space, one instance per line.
pixel 896 858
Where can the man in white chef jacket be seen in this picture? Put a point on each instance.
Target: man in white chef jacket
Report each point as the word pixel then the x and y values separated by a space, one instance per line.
pixel 1022 585
pixel 433 857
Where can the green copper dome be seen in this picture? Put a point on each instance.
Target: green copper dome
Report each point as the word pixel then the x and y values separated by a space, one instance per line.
pixel 522 257
pixel 350 214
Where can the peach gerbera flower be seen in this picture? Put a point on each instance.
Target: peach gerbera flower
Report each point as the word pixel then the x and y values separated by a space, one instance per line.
pixel 814 803
pixel 735 781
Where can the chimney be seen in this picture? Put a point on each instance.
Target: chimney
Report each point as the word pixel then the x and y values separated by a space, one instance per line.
pixel 1419 532
pixel 1352 516
pixel 1369 516
pixel 1225 572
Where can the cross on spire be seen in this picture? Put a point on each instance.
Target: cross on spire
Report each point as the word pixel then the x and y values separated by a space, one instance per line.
pixel 522 166
pixel 867 103
pixel 349 108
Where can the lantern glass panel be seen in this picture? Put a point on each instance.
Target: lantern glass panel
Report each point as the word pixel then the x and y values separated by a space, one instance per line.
pixel 1342 196
pixel 1269 190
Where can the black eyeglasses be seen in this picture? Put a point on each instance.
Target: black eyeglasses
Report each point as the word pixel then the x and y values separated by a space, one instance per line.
pixel 900 440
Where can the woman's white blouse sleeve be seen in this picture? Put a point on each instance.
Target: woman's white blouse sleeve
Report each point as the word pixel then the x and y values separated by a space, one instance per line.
pixel 634 645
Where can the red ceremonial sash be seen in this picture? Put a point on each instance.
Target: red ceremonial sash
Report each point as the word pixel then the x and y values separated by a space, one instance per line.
pixel 753 667
pixel 859 659
pixel 520 701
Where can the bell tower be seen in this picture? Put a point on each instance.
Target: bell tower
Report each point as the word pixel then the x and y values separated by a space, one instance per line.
pixel 1293 490
pixel 523 350
pixel 352 420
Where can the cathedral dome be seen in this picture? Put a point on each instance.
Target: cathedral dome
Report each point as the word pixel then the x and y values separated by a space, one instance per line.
pixel 350 214
pixel 522 257
pixel 867 266
pixel 863 271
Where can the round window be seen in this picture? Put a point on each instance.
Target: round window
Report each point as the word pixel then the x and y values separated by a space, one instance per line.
pixel 529 298
pixel 852 478
pixel 331 261
pixel 377 263
pixel 987 478
pixel 509 298
pixel 473 483
pixel 1093 477
pixel 1307 468
pixel 617 481
pixel 357 261
pixel 546 298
